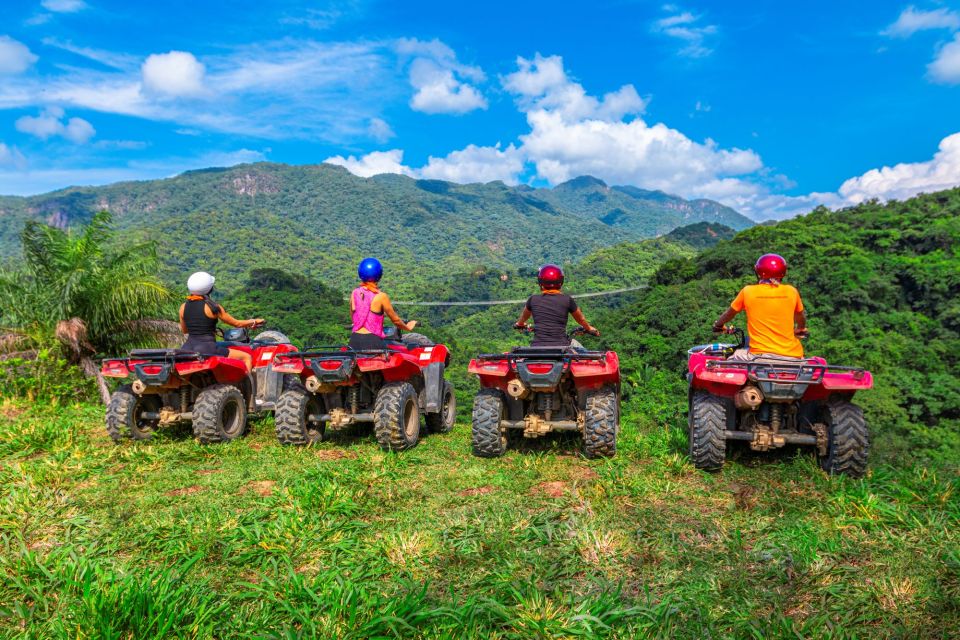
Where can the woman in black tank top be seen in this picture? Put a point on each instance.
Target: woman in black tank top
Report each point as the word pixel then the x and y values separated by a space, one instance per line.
pixel 198 321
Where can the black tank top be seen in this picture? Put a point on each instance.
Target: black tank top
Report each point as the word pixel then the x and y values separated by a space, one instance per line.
pixel 197 322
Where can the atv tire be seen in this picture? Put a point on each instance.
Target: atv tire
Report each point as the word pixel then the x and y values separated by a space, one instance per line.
pixel 271 337
pixel 219 414
pixel 123 415
pixel 396 417
pixel 443 420
pixel 291 422
pixel 848 439
pixel 707 419
pixel 416 340
pixel 488 439
pixel 601 424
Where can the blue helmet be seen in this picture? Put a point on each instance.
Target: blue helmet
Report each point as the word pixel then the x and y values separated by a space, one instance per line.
pixel 370 270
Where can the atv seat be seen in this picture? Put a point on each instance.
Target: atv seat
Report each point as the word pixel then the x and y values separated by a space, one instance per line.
pixel 177 355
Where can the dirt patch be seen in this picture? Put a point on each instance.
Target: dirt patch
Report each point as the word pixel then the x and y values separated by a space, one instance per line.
pixel 586 473
pixel 335 454
pixel 262 488
pixel 256 446
pixel 10 412
pixel 207 472
pixel 477 491
pixel 550 489
pixel 744 496
pixel 185 491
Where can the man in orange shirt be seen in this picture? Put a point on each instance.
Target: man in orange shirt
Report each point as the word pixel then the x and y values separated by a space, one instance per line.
pixel 775 316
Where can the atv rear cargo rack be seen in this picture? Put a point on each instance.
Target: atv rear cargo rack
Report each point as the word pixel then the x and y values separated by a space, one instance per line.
pixel 544 353
pixel 803 373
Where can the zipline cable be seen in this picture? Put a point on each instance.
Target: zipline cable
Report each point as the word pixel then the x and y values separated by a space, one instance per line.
pixel 490 303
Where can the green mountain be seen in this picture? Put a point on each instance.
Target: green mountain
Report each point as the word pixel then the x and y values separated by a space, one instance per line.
pixel 647 213
pixel 702 234
pixel 319 220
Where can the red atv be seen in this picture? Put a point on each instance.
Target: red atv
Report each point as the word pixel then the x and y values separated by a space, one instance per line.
pixel 214 393
pixel 535 390
pixel 389 387
pixel 770 404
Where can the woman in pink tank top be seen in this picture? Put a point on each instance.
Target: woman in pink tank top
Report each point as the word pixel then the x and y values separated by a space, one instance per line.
pixel 368 305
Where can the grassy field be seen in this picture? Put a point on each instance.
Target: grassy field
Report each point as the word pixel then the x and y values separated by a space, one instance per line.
pixel 173 539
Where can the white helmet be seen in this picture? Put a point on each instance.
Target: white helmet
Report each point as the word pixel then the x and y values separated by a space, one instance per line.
pixel 200 283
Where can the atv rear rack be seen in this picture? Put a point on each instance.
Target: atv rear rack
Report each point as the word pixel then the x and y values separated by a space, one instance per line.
pixel 803 373
pixel 544 353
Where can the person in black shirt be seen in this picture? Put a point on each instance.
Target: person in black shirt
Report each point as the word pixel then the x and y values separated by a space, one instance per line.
pixel 198 321
pixel 550 310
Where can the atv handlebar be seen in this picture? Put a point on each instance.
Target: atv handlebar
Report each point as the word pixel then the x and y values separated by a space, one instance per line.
pixel 526 328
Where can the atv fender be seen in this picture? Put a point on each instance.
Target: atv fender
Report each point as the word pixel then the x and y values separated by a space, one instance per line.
pixel 433 387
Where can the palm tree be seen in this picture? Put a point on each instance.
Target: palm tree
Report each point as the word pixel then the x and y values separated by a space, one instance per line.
pixel 84 292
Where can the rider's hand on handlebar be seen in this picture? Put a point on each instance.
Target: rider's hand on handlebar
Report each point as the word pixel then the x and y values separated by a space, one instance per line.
pixel 411 325
pixel 593 331
pixel 255 322
pixel 802 333
pixel 520 326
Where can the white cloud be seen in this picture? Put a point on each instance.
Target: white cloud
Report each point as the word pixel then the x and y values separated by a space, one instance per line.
pixel 686 27
pixel 542 84
pixel 945 67
pixel 380 130
pixel 63 6
pixel 912 20
pixel 50 123
pixel 909 178
pixel 476 164
pixel 15 57
pixel 439 91
pixel 10 157
pixel 373 163
pixel 175 74
pixel 573 133
pixel 281 90
pixel 438 78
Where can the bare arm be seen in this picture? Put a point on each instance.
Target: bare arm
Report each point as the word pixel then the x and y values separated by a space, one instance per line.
pixel 800 320
pixel 233 322
pixel 524 316
pixel 388 309
pixel 582 321
pixel 183 325
pixel 724 318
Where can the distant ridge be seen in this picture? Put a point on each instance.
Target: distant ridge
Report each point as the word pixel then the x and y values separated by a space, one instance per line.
pixel 319 219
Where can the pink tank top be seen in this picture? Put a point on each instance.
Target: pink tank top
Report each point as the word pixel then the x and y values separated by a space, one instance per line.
pixel 363 317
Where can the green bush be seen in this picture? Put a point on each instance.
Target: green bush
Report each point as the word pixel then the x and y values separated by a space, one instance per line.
pixel 47 377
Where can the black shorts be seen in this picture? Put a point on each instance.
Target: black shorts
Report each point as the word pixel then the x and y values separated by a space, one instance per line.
pixel 366 342
pixel 205 345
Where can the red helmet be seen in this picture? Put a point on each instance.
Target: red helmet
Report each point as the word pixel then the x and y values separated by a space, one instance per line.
pixel 550 276
pixel 770 265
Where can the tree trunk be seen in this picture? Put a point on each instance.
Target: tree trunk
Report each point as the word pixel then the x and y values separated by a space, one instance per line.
pixel 91 370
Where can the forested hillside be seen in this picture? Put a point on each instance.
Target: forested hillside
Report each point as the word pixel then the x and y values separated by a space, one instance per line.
pixel 320 220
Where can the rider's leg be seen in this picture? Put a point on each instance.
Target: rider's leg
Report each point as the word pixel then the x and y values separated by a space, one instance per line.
pixel 242 355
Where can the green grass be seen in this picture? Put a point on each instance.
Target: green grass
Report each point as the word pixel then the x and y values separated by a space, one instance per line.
pixel 254 540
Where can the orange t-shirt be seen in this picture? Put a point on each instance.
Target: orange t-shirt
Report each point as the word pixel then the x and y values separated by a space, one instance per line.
pixel 770 309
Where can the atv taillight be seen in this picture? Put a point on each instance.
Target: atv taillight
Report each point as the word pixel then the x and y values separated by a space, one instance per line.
pixel 539 368
pixel 330 365
pixel 115 368
pixel 286 364
pixel 152 369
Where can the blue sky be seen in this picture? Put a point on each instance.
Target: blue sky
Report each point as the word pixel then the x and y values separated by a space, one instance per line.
pixel 771 108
